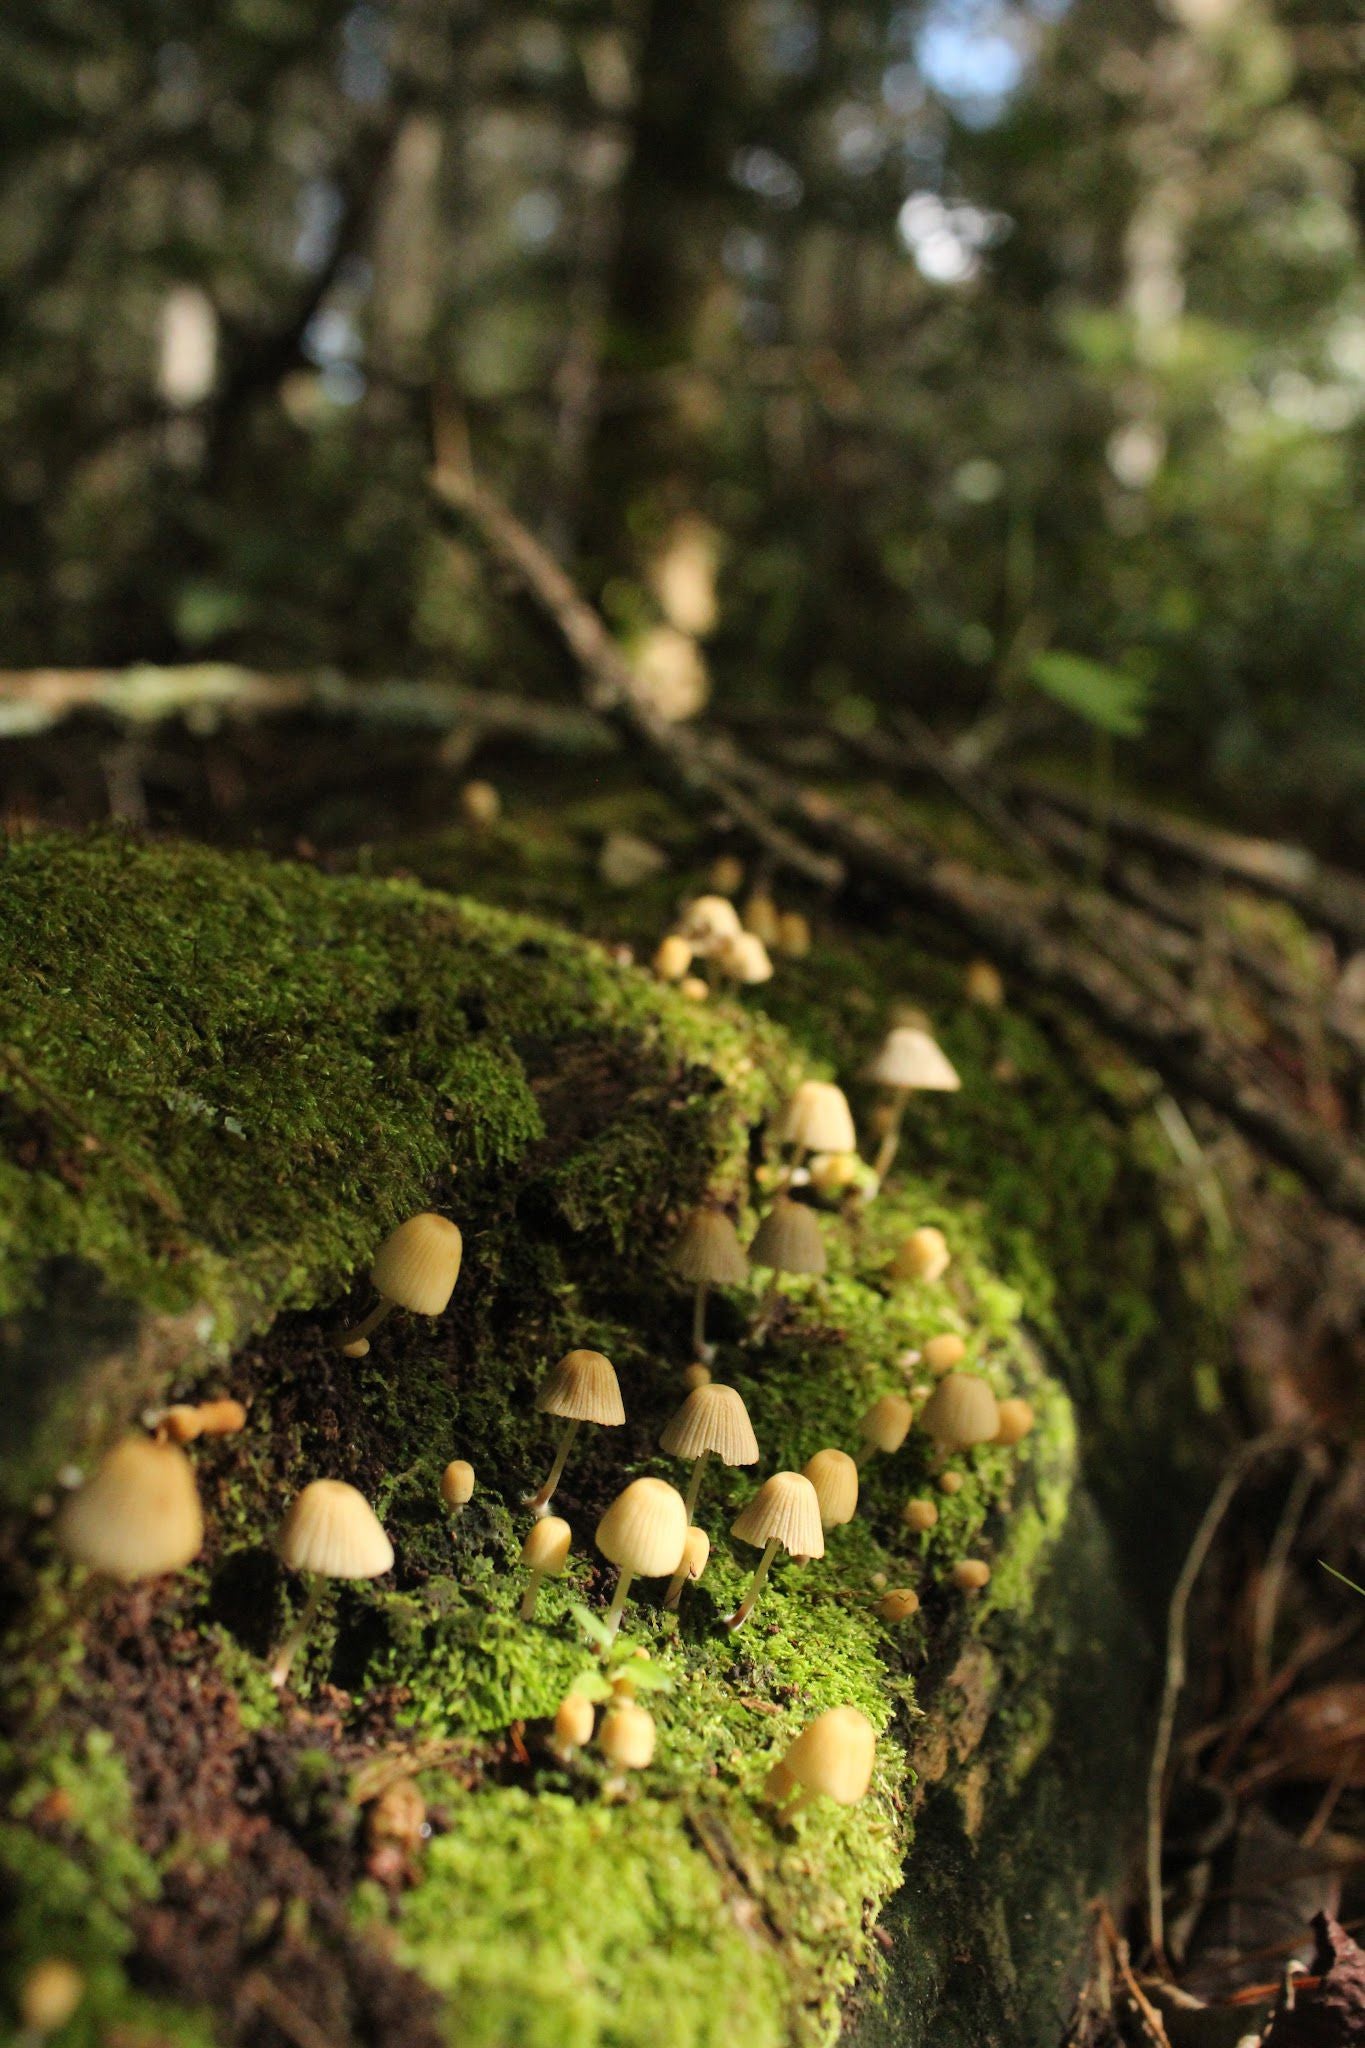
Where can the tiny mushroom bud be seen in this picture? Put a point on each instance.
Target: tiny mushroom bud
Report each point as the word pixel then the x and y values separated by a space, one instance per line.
pixel 909 1060
pixel 673 958
pixel 832 1757
pixel 480 804
pixel 832 1172
pixel 745 959
pixel 788 1240
pixel 984 985
pixel 1015 1420
pixel 708 1254
pixel 818 1119
pixel 49 1995
pixel 950 1482
pixel 784 1514
pixel 793 934
pixel 582 1388
pixel 137 1515
pixel 919 1515
pixel 923 1256
pixel 329 1532
pixel 696 1375
pixel 182 1424
pixel 694 988
pixel 898 1604
pixel 457 1485
pixel 545 1552
pixel 573 1722
pixel 415 1268
pixel 761 917
pixel 644 1534
pixel 727 874
pixel 961 1412
pixel 834 1475
pixel 943 1352
pixel 712 1422
pixel 696 1551
pixel 970 1574
pixel 707 923
pixel 626 1736
pixel 885 1425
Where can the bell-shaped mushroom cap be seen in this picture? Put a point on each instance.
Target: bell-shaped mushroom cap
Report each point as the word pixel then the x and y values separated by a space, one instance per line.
pixel 1015 1420
pixel 961 1412
pixel 546 1548
pixel 457 1483
pixel 886 1423
pixel 834 1476
pixel 583 1387
pixel 708 1250
pixel 696 1551
pixel 745 959
pixel 418 1264
pixel 786 1509
pixel 819 1119
pixel 923 1256
pixel 673 957
pixel 708 922
pixel 789 1239
pixel 625 1736
pixel 919 1515
pixel 944 1351
pixel 574 1717
pixel 138 1513
pixel 912 1059
pixel 712 1418
pixel 331 1529
pixel 834 1756
pixel 644 1531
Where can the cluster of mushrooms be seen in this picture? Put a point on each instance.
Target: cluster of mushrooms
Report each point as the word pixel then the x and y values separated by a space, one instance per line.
pixel 139 1514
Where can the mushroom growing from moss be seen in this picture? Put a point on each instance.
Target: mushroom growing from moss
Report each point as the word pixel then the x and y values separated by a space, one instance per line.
pixel 696 1552
pixel 834 1475
pixel 137 1515
pixel 909 1061
pixel 943 1352
pixel 745 959
pixel 1015 1420
pixel 708 922
pixel 818 1119
pixel 457 1485
pixel 788 1240
pixel 884 1426
pixel 919 1515
pixel 984 984
pixel 961 1412
pixel 673 958
pixel 574 1717
pixel 48 1996
pixel 923 1256
pixel 415 1268
pixel 644 1534
pixel 831 1173
pixel 694 988
pixel 582 1388
pixel 545 1553
pixel 970 1574
pixel 708 1254
pixel 898 1603
pixel 480 805
pixel 831 1758
pixel 783 1515
pixel 330 1532
pixel 712 1422
pixel 762 917
pixel 950 1482
pixel 626 1736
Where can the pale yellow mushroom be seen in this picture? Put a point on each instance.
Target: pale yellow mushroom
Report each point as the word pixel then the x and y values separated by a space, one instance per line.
pixel 832 1758
pixel 919 1515
pixel 329 1532
pixel 909 1061
pixel 712 1422
pixel 49 1994
pixel 137 1515
pixel 626 1737
pixel 574 1717
pixel 545 1554
pixel 783 1515
pixel 415 1268
pixel 480 805
pixel 457 1485
pixel 673 958
pixel 898 1604
pixel 884 1426
pixel 708 1254
pixel 923 1256
pixel 970 1574
pixel 984 984
pixel 1015 1420
pixel 696 1552
pixel 644 1534
pixel 834 1475
pixel 583 1387
pixel 960 1413
pixel 762 918
pixel 788 1240
pixel 943 1352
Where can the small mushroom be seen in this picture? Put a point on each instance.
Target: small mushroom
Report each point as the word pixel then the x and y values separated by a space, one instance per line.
pixel 708 1254
pixel 793 934
pixel 329 1532
pixel 712 1422
pixel 831 1758
pixel 644 1534
pixel 583 1387
pixel 626 1736
pixel 919 1515
pixel 185 1422
pixel 832 1172
pixel 884 1426
pixel 694 988
pixel 415 1268
pixel 762 917
pixel 745 959
pixel 960 1413
pixel 923 1256
pixel 137 1515
pixel 545 1553
pixel 788 1240
pixel 783 1515
pixel 708 922
pixel 457 1485
pixel 834 1475
pixel 984 984
pixel 950 1482
pixel 48 1996
pixel 696 1552
pixel 574 1717
pixel 673 957
pixel 909 1061
pixel 480 805
pixel 970 1574
pixel 818 1119
pixel 898 1603
pixel 696 1375
pixel 727 874
pixel 1015 1420
pixel 943 1352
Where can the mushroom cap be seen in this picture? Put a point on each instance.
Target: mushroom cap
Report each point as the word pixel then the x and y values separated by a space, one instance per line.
pixel 574 1717
pixel 49 1995
pixel 626 1736
pixel 944 1351
pixel 708 1250
pixel 457 1483
pixel 332 1530
pixel 970 1574
pixel 961 1412
pixel 696 1552
pixel 919 1515
pixel 793 933
pixel 834 1476
pixel 644 1531
pixel 789 1239
pixel 898 1603
pixel 923 1256
pixel 418 1263
pixel 138 1513
pixel 833 1755
pixel 762 917
pixel 1015 1420
pixel 673 958
pixel 712 1418
pixel 583 1387
pixel 708 922
pixel 984 984
pixel 786 1509
pixel 546 1548
pixel 819 1119
pixel 745 959
pixel 831 1172
pixel 886 1424
pixel 912 1059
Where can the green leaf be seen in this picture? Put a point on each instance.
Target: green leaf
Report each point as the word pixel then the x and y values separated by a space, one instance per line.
pixel 1108 698
pixel 593 1627
pixel 592 1685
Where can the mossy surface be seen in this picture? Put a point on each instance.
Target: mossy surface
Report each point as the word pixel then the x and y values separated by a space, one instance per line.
pixel 273 1067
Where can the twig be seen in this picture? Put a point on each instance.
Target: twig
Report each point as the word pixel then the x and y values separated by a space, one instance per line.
pixel 1152 2019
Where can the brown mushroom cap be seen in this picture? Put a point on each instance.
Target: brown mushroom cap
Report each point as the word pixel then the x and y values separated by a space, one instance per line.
pixel 708 1251
pixel 138 1513
pixel 961 1412
pixel 923 1256
pixel 833 1756
pixel 546 1548
pixel 574 1717
pixel 984 984
pixel 786 1510
pixel 818 1119
pixel 644 1531
pixel 418 1263
pixel 457 1483
pixel 919 1515
pixel 626 1736
pixel 789 1239
pixel 331 1529
pixel 583 1387
pixel 912 1059
pixel 886 1424
pixel 834 1476
pixel 944 1351
pixel 898 1603
pixel 1016 1420
pixel 970 1574
pixel 712 1418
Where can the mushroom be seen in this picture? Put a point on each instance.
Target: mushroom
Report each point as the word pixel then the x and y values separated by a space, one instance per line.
pixel 708 1254
pixel 762 917
pixel 329 1532
pixel 788 1240
pixel 184 1422
pixel 923 1256
pixel 137 1515
pixel 415 1268
pixel 694 988
pixel 818 1119
pixel 48 1996
pixel 783 1515
pixel 644 1534
pixel 727 874
pixel 1015 1420
pixel 909 1060
pixel 898 1604
pixel 885 1425
pixel 574 1717
pixel 961 1412
pixel 950 1482
pixel 943 1352
pixel 545 1552
pixel 919 1515
pixel 625 1737
pixel 834 1475
pixel 696 1551
pixel 745 959
pixel 832 1172
pixel 984 985
pixel 582 1388
pixel 457 1485
pixel 480 805
pixel 831 1757
pixel 696 1375
pixel 712 1422
pixel 708 922
pixel 673 957
pixel 793 934
pixel 970 1574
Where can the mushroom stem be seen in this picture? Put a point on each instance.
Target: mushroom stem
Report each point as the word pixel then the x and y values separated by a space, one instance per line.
pixel 693 1489
pixel 746 1605
pixel 360 1334
pixel 794 1165
pixel 890 1145
pixel 293 1642
pixel 675 1586
pixel 699 1323
pixel 528 1598
pixel 861 1456
pixel 618 1601
pixel 541 1498
pixel 767 1308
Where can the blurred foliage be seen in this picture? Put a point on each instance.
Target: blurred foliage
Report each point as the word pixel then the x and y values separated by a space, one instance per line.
pixel 896 353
